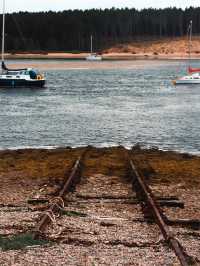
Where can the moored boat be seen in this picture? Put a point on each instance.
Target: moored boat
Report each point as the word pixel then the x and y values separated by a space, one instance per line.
pixel 26 77
pixel 93 56
pixel 193 76
pixel 189 79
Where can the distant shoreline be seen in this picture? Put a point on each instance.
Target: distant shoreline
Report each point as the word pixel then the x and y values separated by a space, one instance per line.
pixel 106 56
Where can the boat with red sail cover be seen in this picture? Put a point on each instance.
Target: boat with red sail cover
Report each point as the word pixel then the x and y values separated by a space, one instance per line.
pixel 193 76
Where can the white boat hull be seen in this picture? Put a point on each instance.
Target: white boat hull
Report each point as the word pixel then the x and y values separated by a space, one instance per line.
pixel 185 82
pixel 190 79
pixel 194 73
pixel 94 58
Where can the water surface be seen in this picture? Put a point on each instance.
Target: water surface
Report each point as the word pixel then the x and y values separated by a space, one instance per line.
pixel 103 104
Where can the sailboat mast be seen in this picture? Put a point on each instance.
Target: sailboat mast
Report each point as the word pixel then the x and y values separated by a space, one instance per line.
pixel 91 39
pixel 3 33
pixel 190 40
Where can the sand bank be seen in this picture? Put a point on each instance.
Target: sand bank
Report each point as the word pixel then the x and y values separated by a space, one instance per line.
pixel 163 48
pixel 106 56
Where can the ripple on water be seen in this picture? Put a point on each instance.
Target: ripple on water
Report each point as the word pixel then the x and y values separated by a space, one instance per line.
pixel 127 104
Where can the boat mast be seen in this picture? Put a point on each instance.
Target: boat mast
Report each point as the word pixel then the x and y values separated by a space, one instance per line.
pixel 3 33
pixel 91 40
pixel 190 40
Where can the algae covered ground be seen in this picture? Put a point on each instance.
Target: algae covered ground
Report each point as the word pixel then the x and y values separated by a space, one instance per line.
pixel 101 218
pixel 52 165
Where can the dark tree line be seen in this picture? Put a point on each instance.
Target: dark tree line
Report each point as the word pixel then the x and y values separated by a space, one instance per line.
pixel 71 30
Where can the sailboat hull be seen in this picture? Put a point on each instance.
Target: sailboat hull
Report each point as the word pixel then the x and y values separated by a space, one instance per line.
pixel 94 58
pixel 12 83
pixel 25 77
pixel 190 79
pixel 194 73
pixel 187 82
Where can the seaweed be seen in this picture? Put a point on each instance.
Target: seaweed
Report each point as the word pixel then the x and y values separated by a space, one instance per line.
pixel 21 241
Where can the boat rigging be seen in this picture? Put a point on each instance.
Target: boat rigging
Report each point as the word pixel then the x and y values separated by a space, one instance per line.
pixel 93 56
pixel 25 77
pixel 194 73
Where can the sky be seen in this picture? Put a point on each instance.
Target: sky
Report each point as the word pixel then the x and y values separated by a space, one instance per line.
pixel 59 5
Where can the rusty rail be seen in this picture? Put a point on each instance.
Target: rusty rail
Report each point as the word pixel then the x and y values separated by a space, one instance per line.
pixel 46 217
pixel 154 208
pixel 147 198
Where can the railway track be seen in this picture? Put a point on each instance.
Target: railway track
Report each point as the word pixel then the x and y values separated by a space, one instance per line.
pixel 153 207
pixel 59 200
pixel 123 193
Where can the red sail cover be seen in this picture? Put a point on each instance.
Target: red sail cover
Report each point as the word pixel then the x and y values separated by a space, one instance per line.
pixel 193 70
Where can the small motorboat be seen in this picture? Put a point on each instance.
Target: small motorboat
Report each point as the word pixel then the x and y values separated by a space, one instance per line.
pixel 193 76
pixel 93 56
pixel 26 77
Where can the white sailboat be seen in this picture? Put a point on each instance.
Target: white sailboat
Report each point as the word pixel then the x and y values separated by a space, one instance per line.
pixel 26 77
pixel 194 73
pixel 93 56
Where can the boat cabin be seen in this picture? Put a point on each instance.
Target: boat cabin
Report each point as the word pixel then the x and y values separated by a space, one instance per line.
pixel 30 73
pixel 21 78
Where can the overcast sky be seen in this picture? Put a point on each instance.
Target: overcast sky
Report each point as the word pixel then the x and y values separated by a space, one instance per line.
pixel 57 5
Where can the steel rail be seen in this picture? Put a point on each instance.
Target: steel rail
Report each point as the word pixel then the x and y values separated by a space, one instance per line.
pixel 54 207
pixel 154 208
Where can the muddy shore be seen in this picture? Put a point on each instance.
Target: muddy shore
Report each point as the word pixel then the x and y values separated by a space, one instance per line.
pixel 101 225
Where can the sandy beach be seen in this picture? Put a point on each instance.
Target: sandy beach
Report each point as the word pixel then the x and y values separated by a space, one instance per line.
pixel 166 48
pixel 106 56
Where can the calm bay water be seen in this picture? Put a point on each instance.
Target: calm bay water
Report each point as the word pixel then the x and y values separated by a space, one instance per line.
pixel 103 104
